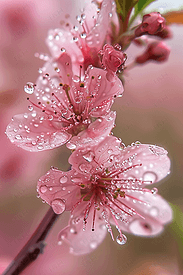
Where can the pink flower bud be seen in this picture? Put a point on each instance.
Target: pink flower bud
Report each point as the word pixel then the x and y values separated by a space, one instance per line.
pixel 157 51
pixel 112 59
pixel 151 24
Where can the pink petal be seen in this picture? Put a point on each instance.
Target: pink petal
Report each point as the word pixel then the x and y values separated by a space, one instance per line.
pixel 83 242
pixel 96 37
pixel 103 91
pixel 59 40
pixel 155 164
pixel 95 132
pixel 34 132
pixel 60 189
pixel 88 159
pixel 153 208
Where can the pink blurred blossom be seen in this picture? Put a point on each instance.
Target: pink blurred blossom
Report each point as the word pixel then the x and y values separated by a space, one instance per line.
pixel 107 185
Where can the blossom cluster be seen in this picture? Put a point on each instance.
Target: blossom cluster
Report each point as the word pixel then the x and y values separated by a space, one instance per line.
pixel 70 103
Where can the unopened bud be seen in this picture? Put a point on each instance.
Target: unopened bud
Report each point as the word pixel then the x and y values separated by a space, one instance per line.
pixel 152 23
pixel 157 51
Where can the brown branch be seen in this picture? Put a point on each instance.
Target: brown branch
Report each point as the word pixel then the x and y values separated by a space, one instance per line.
pixel 34 246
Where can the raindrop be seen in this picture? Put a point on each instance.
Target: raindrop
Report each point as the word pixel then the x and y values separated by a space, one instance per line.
pixel 75 39
pixel 84 167
pixel 159 151
pixel 60 243
pixel 110 14
pixel 30 108
pixel 140 228
pixel 73 230
pixel 76 180
pixel 93 245
pixel 18 137
pixel 89 156
pixel 154 211
pixel 43 189
pixel 121 239
pixel 29 88
pixel 83 35
pixel 150 176
pixel 154 191
pixel 40 147
pixel 63 50
pixel 63 179
pixel 58 206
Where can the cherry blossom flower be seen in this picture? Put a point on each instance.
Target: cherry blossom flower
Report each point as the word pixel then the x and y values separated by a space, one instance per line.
pixel 67 104
pixel 107 185
pixel 112 59
pixel 151 24
pixel 83 41
pixel 157 51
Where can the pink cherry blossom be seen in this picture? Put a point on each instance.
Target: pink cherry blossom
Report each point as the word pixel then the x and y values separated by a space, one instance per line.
pixel 151 24
pixel 108 185
pixel 112 59
pixel 66 105
pixel 83 41
pixel 157 51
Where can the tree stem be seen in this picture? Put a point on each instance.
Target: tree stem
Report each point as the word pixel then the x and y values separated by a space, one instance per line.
pixel 34 246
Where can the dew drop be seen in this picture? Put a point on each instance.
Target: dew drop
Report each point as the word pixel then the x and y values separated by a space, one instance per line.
pixel 140 228
pixel 83 35
pixel 58 206
pixel 159 151
pixel 84 167
pixel 63 50
pixel 93 245
pixel 154 211
pixel 76 180
pixel 63 179
pixel 121 239
pixel 73 230
pixel 89 156
pixel 150 176
pixel 154 191
pixel 29 88
pixel 60 243
pixel 43 189
pixel 40 147
pixel 18 137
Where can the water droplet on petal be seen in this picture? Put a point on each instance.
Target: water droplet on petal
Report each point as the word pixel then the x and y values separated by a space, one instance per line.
pixel 60 243
pixel 83 35
pixel 159 151
pixel 89 156
pixel 58 206
pixel 154 191
pixel 154 211
pixel 84 167
pixel 63 50
pixel 73 230
pixel 121 239
pixel 18 137
pixel 43 189
pixel 29 88
pixel 76 180
pixel 93 245
pixel 150 176
pixel 140 228
pixel 63 179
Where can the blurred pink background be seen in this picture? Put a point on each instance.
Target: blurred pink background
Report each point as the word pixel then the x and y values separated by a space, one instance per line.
pixel 150 111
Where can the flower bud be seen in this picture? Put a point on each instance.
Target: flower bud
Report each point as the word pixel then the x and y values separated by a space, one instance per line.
pixel 152 23
pixel 112 59
pixel 157 51
pixel 165 33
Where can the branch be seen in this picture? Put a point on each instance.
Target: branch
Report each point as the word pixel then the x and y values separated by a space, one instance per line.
pixel 34 246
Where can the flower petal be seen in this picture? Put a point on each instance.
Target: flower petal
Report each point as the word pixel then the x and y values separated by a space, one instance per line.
pixel 57 187
pixel 34 132
pixel 102 91
pixel 95 132
pixel 60 40
pixel 83 242
pixel 89 159
pixel 95 38
pixel 155 164
pixel 155 210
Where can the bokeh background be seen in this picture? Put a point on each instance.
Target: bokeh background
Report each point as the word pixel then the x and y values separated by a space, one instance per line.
pixel 150 111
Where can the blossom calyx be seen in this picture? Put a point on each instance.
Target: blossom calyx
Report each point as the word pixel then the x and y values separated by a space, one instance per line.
pixel 112 59
pixel 152 23
pixel 157 51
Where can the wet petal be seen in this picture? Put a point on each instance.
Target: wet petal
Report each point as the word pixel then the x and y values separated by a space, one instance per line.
pixel 155 210
pixel 89 159
pixel 95 133
pixel 83 242
pixel 34 132
pixel 155 164
pixel 102 91
pixel 60 189
pixel 95 38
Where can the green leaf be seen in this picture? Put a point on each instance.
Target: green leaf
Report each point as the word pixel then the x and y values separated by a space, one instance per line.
pixel 125 6
pixel 139 7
